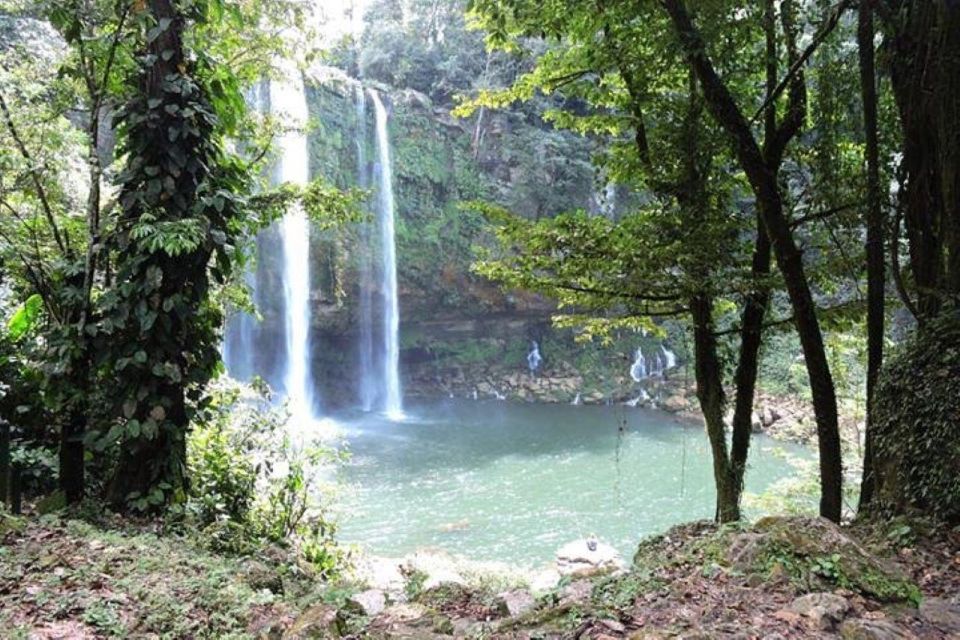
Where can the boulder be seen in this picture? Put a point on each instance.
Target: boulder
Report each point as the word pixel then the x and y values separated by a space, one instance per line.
pixel 823 610
pixel 576 592
pixel 861 629
pixel 319 621
pixel 769 415
pixel 515 602
pixel 941 613
pixel 260 576
pixel 675 403
pixel 811 541
pixel 545 580
pixel 579 559
pixel 744 551
pixel 370 602
pixel 381 573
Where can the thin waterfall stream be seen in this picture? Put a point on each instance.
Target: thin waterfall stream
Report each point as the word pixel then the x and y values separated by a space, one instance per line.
pixel 392 399
pixel 288 102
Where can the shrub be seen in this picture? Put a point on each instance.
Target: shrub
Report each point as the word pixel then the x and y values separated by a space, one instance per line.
pixel 251 486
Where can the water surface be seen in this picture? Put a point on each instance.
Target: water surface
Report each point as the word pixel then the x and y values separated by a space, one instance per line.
pixel 513 482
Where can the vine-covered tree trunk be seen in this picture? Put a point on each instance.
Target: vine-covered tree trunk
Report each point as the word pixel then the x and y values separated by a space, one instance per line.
pixel 167 331
pixel 789 258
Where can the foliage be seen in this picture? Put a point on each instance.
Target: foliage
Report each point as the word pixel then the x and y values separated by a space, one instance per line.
pixel 251 485
pixel 917 439
pixel 123 265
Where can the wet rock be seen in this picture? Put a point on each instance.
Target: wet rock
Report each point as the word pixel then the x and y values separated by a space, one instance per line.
pixel 320 621
pixel 823 610
pixel 860 629
pixel 370 602
pixel 579 559
pixel 941 613
pixel 516 602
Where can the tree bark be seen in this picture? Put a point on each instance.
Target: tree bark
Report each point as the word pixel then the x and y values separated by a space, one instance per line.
pixel 876 277
pixel 789 258
pixel 711 397
pixel 924 60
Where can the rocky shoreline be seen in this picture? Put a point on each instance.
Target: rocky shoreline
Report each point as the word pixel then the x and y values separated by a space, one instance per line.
pixel 786 418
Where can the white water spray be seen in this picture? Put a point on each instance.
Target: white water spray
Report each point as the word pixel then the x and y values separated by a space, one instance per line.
pixel 393 401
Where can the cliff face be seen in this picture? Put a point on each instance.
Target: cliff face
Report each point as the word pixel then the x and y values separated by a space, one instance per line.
pixel 448 314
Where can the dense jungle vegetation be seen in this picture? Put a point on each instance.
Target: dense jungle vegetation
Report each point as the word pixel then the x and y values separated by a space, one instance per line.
pixel 771 186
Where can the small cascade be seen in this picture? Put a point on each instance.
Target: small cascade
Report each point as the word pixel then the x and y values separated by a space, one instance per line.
pixel 288 103
pixel 638 370
pixel 393 401
pixel 662 361
pixel 577 400
pixel 670 358
pixel 656 368
pixel 533 358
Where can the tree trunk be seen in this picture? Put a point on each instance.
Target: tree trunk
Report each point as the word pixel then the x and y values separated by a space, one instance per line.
pixel 748 363
pixel 712 402
pixel 924 41
pixel 789 258
pixel 71 454
pixel 150 463
pixel 875 241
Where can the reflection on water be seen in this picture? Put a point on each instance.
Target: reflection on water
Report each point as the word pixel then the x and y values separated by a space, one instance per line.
pixel 503 481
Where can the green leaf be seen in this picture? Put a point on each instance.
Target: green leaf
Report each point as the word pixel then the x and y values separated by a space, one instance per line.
pixel 25 318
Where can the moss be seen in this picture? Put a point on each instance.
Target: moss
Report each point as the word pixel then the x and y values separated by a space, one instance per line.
pixel 815 554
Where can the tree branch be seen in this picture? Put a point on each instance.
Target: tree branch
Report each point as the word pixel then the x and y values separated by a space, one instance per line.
pixel 34 174
pixel 832 20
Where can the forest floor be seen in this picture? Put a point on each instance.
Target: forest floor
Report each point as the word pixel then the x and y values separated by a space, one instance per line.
pixel 780 578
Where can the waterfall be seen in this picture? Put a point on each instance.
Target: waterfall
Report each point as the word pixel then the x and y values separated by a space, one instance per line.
pixel 669 357
pixel 533 358
pixel 638 370
pixel 240 340
pixel 288 103
pixel 368 375
pixel 393 402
